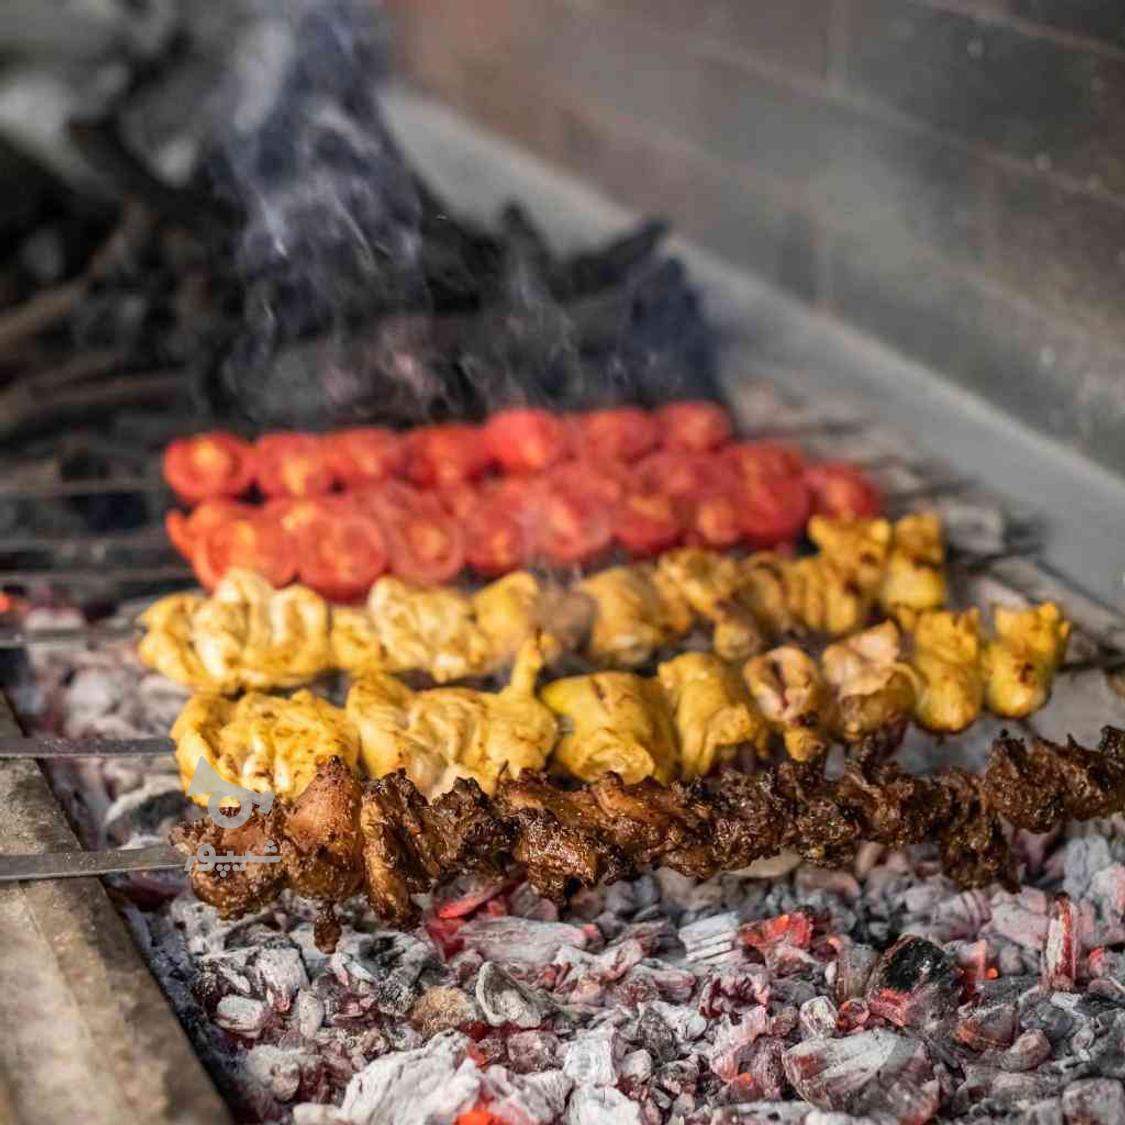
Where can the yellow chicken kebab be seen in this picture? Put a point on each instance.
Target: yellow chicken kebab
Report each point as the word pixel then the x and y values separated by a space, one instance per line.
pixel 712 712
pixel 1020 664
pixel 439 735
pixel 790 692
pixel 613 721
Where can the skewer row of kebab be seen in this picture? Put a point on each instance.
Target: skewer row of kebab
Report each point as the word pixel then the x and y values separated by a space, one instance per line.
pixel 384 838
pixel 567 500
pixel 695 714
pixel 217 464
pixel 249 635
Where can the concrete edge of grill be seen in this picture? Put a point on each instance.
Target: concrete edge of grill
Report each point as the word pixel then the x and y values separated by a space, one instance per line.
pixel 88 1035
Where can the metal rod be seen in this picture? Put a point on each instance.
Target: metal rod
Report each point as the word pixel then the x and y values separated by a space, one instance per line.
pixel 46 490
pixel 50 746
pixel 94 576
pixel 89 634
pixel 75 865
pixel 146 537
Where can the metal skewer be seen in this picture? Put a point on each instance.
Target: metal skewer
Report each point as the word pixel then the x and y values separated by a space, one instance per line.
pixel 49 746
pixel 76 634
pixel 75 864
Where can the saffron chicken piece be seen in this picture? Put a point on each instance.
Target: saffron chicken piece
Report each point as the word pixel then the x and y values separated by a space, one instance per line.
pixel 612 721
pixel 428 628
pixel 875 690
pixel 915 572
pixel 246 634
pixel 439 735
pixel 831 592
pixel 790 692
pixel 264 743
pixel 710 584
pixel 713 713
pixel 636 612
pixel 1021 662
pixel 947 659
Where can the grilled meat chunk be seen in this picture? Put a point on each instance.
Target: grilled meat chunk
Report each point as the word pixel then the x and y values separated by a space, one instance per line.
pixel 386 837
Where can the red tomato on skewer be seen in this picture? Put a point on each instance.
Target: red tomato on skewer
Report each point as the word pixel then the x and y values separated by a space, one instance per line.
pixel 426 545
pixel 341 554
pixel 607 482
pixel 497 541
pixel 620 434
pixel 293 465
pixel 526 441
pixel 694 427
pixel 647 523
pixel 208 466
pixel 364 455
pixel 842 491
pixel 754 461
pixel 775 511
pixel 439 456
pixel 717 518
pixel 253 542
pixel 574 513
pixel 684 476
pixel 186 530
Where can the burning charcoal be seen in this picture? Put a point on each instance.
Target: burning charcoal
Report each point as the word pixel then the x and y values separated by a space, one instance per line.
pixel 278 1070
pixel 875 1071
pixel 520 940
pixel 914 984
pixel 280 973
pixel 504 1000
pixel 853 965
pixel 443 1009
pixel 1060 949
pixel 589 1060
pixel 767 1067
pixel 685 1022
pixel 464 895
pixel 636 1067
pixel 220 975
pixel 534 1099
pixel 733 1042
pixel 309 1013
pixel 817 1018
pixel 312 1114
pixel 242 1015
pixel 714 940
pixel 1021 918
pixel 531 1051
pixel 987 1026
pixel 433 1082
pixel 1094 1101
pixel 786 929
pixel 1048 1017
pixel 1026 1053
pixel 601 1106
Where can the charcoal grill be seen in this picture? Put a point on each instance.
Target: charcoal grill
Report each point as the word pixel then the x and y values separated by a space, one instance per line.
pixel 74 992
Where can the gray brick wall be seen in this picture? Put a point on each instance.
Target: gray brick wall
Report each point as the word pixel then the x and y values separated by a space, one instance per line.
pixel 946 174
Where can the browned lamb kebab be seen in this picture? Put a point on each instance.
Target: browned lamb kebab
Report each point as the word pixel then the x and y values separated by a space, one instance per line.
pixel 343 835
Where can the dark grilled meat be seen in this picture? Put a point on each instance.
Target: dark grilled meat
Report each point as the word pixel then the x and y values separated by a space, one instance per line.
pixel 341 834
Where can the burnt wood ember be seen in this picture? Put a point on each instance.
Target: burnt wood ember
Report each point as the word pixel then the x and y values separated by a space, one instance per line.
pixel 383 836
pixel 294 270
